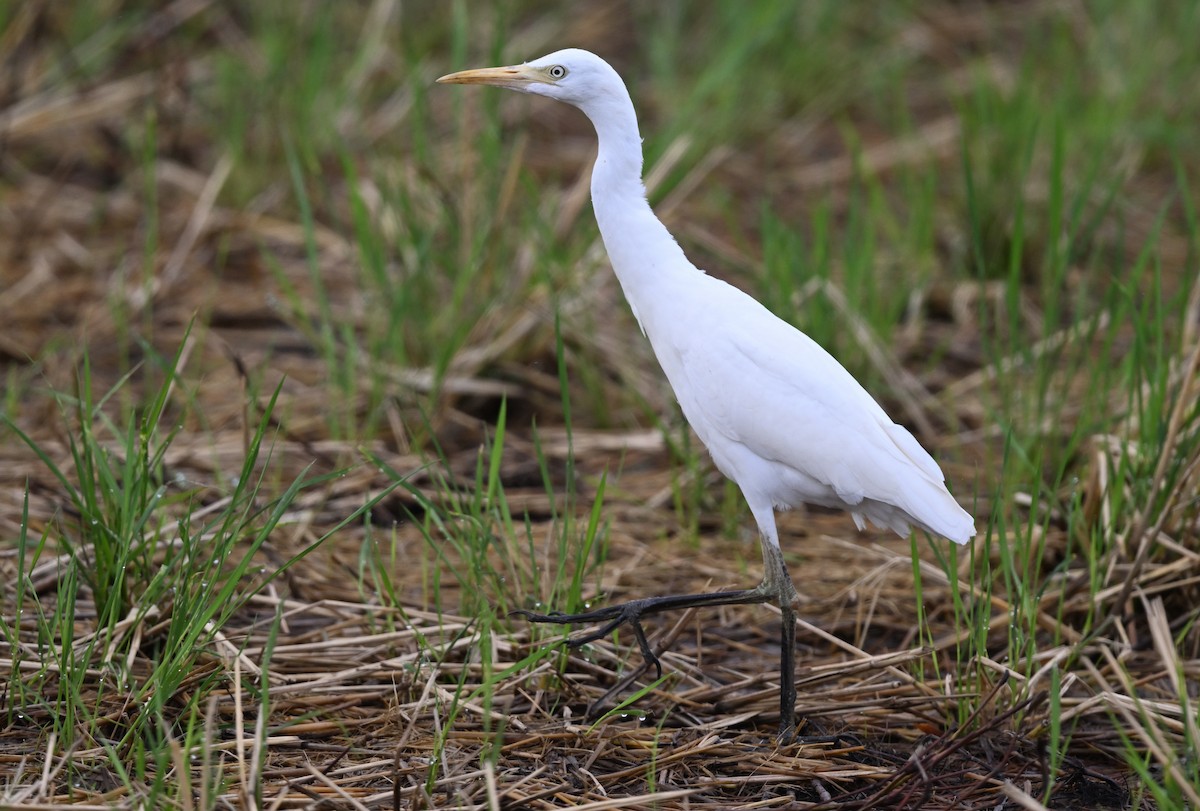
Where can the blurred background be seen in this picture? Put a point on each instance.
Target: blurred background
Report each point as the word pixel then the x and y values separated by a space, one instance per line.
pixel 923 187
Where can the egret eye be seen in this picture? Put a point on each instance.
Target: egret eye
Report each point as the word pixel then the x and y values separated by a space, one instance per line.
pixel 556 71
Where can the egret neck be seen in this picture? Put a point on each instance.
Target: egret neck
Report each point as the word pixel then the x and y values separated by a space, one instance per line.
pixel 643 253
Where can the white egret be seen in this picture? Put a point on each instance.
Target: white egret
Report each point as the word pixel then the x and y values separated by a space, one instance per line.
pixel 778 414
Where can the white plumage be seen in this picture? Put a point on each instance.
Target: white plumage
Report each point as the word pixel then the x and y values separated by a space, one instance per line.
pixel 779 415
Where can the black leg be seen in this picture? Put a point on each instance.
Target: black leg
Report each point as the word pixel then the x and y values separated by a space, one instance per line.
pixel 632 612
pixel 778 583
pixel 787 675
pixel 776 588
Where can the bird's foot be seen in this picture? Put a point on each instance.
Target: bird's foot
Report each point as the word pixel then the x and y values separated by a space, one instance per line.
pixel 792 737
pixel 631 614
pixel 612 618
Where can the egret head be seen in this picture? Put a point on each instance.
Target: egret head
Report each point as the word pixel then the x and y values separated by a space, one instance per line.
pixel 572 75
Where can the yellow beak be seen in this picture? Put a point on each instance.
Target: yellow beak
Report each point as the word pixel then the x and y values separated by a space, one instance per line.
pixel 515 76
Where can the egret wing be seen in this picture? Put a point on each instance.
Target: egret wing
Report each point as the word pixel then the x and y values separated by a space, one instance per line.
pixel 751 378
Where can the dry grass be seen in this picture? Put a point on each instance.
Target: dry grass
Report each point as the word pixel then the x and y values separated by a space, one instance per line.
pixel 324 691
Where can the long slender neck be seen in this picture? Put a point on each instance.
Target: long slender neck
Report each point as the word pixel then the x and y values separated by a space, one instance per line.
pixel 643 253
pixel 617 176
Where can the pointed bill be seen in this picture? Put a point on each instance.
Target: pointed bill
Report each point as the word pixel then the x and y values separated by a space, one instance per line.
pixel 514 76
